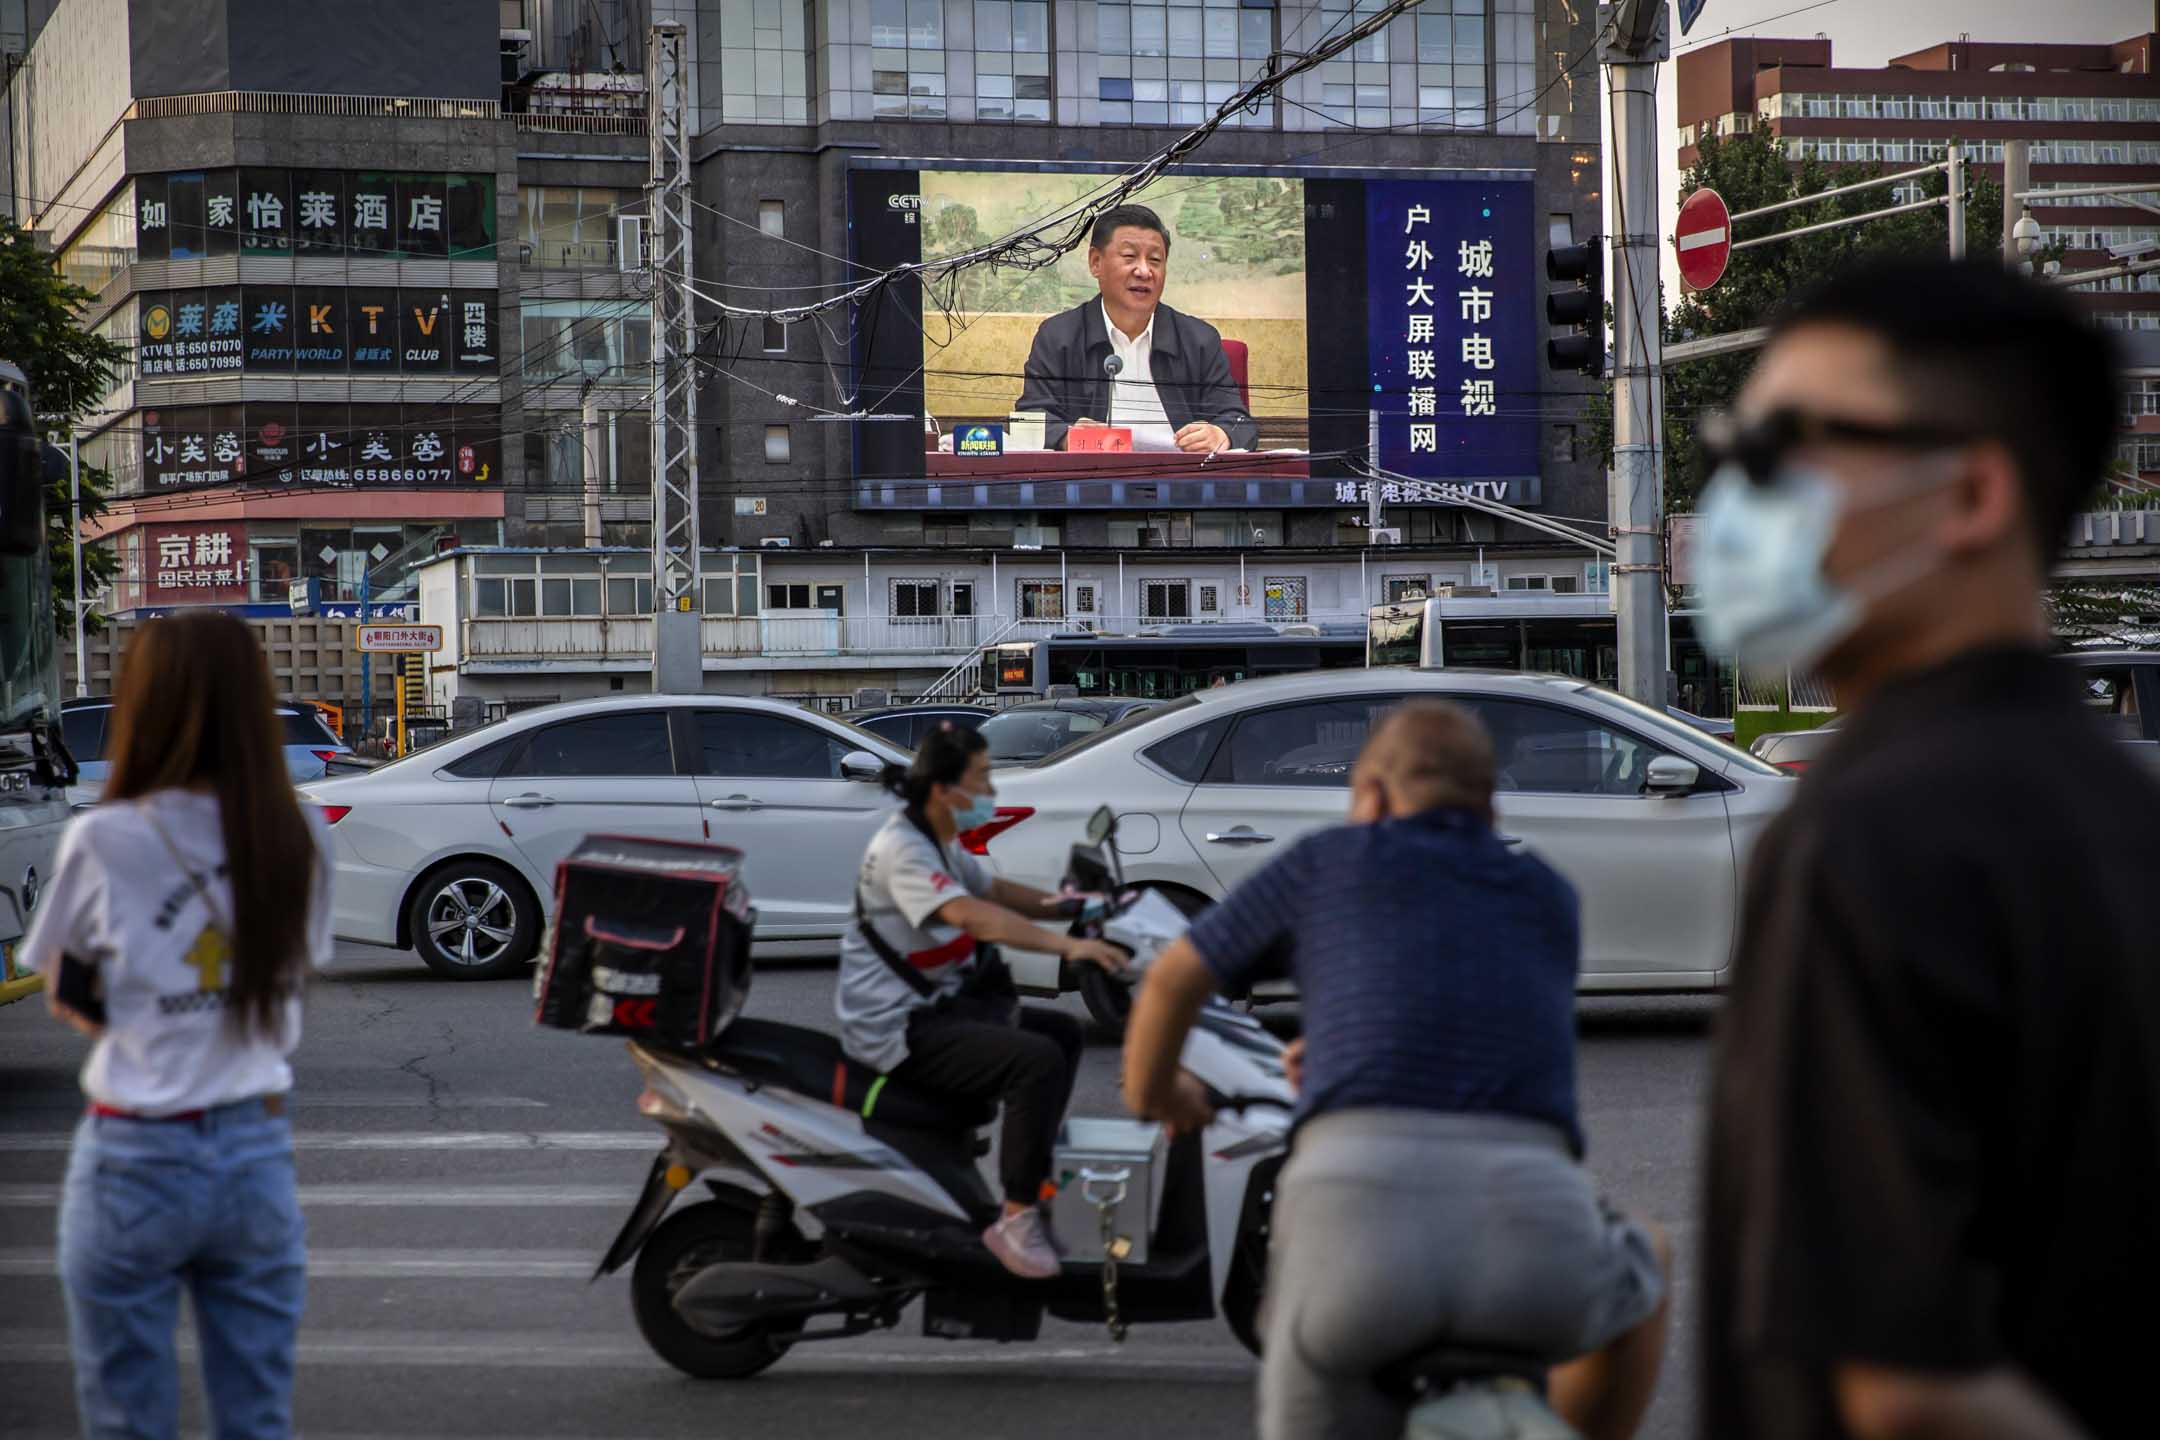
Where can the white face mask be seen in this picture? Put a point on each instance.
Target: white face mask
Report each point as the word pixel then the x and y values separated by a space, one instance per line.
pixel 1764 593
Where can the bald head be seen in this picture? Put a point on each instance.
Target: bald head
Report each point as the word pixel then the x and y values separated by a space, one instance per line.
pixel 1424 755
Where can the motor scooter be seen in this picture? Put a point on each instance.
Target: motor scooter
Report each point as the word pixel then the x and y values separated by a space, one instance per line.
pixel 835 1197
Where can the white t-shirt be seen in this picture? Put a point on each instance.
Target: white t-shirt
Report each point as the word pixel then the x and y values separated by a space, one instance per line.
pixel 904 882
pixel 120 902
pixel 1134 400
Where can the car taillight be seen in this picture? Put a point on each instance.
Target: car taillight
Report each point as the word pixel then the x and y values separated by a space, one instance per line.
pixel 977 841
pixel 1791 767
pixel 326 756
pixel 331 814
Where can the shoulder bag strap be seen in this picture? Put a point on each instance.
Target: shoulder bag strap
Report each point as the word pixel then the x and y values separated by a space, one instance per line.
pixel 217 916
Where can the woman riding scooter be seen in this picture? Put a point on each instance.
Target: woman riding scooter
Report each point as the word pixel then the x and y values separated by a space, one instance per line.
pixel 922 998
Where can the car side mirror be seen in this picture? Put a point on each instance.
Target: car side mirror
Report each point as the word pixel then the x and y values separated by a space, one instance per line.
pixel 1102 825
pixel 1671 775
pixel 861 765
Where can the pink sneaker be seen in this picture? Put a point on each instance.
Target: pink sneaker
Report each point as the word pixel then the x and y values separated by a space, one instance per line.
pixel 1022 1246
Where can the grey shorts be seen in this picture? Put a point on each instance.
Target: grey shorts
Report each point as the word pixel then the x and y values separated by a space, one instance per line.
pixel 1397 1230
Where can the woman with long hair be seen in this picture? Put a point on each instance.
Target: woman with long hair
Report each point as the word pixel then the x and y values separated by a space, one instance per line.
pixel 921 996
pixel 187 909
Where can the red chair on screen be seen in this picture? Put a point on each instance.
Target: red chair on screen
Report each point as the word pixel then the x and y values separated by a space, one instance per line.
pixel 1234 352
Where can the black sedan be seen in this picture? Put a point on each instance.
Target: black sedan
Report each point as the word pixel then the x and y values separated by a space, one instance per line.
pixel 1022 734
pixel 908 724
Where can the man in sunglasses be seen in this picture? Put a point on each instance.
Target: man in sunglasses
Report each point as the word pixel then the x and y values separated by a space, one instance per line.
pixel 1934 1157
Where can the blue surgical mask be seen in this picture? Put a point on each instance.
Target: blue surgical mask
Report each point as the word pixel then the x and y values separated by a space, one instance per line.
pixel 980 810
pixel 1762 547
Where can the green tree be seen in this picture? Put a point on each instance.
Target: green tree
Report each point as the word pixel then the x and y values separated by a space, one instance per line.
pixel 70 370
pixel 1750 171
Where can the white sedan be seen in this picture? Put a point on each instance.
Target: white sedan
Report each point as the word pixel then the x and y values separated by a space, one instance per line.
pixel 453 850
pixel 1651 819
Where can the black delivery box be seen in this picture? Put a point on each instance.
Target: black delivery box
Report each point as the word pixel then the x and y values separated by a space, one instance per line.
pixel 651 940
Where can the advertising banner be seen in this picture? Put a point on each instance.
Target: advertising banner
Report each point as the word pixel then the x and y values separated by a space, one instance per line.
pixel 1451 286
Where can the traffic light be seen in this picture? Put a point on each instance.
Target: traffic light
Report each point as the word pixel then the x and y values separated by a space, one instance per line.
pixel 1578 273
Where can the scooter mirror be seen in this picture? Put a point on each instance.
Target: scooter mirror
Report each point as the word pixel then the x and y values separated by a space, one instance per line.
pixel 1101 825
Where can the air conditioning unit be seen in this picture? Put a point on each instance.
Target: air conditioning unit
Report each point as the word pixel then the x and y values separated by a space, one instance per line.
pixel 773 542
pixel 630 243
pixel 1387 535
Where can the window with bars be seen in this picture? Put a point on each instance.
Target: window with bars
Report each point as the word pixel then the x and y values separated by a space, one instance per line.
pixel 1173 63
pixel 911 598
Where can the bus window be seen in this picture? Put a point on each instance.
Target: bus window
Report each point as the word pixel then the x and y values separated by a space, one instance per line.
pixel 1583 649
pixel 1481 644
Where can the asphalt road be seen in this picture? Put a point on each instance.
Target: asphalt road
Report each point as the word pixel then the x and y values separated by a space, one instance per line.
pixel 462 1171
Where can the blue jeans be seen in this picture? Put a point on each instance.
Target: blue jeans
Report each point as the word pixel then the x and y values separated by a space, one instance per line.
pixel 152 1205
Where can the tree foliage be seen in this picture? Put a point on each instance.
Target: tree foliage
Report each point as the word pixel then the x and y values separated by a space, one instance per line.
pixel 1750 171
pixel 70 370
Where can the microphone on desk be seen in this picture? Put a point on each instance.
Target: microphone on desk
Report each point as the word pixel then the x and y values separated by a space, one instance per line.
pixel 1111 365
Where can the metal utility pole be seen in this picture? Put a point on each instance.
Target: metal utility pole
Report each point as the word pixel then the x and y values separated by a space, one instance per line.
pixel 595 464
pixel 1636 39
pixel 1374 515
pixel 1957 201
pixel 75 544
pixel 2017 179
pixel 678 600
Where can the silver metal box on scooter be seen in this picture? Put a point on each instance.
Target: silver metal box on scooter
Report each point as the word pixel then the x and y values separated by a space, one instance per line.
pixel 1118 1164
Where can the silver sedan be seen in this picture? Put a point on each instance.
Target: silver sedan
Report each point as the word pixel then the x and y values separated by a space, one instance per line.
pixel 1651 819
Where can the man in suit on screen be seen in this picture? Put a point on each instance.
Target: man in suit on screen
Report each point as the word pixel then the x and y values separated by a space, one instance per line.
pixel 1126 359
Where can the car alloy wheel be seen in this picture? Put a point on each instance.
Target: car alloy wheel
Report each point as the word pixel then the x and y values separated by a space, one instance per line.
pixel 473 920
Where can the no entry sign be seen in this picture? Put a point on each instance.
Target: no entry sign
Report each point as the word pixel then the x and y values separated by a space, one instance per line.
pixel 1702 238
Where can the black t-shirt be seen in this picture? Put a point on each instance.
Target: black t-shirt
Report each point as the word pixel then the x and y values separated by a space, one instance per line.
pixel 1935 1113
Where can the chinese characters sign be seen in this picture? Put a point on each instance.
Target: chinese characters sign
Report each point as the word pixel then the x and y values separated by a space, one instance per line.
pixel 195 563
pixel 365 214
pixel 1454 355
pixel 411 446
pixel 318 330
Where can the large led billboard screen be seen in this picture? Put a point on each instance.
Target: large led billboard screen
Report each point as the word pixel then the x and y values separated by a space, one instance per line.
pixel 1322 311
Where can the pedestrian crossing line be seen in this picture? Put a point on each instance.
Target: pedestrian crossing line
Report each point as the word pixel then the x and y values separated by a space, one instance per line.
pixel 48 1141
pixel 384 1264
pixel 302 1101
pixel 398 1196
pixel 508 1350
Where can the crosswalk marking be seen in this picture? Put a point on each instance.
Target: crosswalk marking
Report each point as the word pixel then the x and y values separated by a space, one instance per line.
pixel 399 1196
pixel 41 1141
pixel 386 1264
pixel 554 1351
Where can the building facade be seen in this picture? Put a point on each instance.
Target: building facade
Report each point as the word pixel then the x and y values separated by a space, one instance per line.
pixel 2092 113
pixel 378 271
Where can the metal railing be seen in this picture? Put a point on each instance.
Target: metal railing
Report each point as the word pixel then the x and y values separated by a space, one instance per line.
pixel 542 122
pixel 797 635
pixel 291 102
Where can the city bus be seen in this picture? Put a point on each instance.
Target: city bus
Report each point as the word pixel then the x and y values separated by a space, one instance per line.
pixel 33 771
pixel 1166 661
pixel 1556 634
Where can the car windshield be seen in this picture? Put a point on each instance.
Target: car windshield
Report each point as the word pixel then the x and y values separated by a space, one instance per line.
pixel 1660 722
pixel 1033 734
pixel 1131 722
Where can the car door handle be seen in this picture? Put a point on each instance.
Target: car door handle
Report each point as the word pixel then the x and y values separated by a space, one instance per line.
pixel 1511 839
pixel 1239 836
pixel 529 802
pixel 737 802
